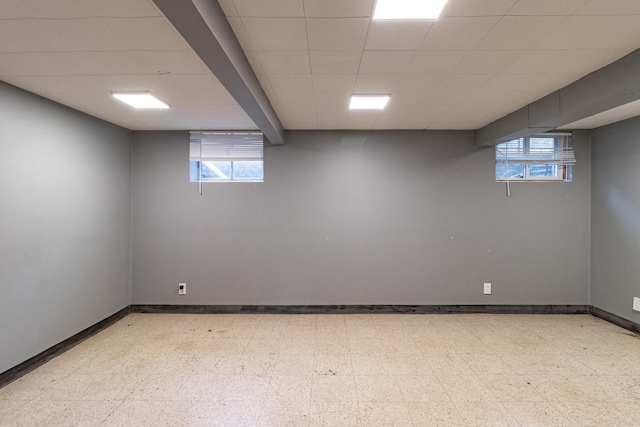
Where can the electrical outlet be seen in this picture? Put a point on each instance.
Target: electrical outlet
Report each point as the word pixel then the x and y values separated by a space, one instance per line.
pixel 182 288
pixel 487 288
pixel 636 304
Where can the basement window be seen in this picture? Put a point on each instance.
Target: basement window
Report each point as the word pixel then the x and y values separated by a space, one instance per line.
pixel 546 157
pixel 226 157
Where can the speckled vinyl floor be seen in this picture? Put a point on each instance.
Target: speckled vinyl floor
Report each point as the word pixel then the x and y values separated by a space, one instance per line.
pixel 338 370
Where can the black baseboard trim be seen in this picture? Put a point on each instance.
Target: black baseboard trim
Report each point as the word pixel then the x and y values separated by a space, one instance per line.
pixel 362 309
pixel 42 358
pixel 615 319
pixel 50 353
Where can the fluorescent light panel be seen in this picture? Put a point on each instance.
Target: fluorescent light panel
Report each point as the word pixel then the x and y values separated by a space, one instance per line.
pixel 408 9
pixel 368 102
pixel 140 100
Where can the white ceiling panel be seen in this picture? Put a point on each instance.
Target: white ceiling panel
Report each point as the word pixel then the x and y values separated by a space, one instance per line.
pixel 338 8
pixel 152 62
pixel 334 82
pixel 548 7
pixel 291 82
pixel 73 9
pixel 514 32
pixel 51 64
pixel 31 35
pixel 594 32
pixel 372 83
pixel 611 7
pixel 396 35
pixel 335 62
pixel 458 33
pixel 437 61
pixel 487 62
pixel 337 34
pixel 385 62
pixel 479 61
pixel 277 33
pixel 286 62
pixel 241 33
pixel 269 8
pixel 478 7
pixel 100 34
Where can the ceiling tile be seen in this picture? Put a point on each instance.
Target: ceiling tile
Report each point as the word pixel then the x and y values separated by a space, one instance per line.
pixel 176 82
pixel 515 32
pixel 298 117
pixel 396 35
pixel 458 33
pixel 330 117
pixel 120 33
pixel 385 62
pixel 409 116
pixel 196 98
pixel 464 82
pixel 287 62
pixel 75 84
pixel 228 8
pixel 51 64
pixel 336 100
pixel 337 34
pixel 547 7
pixel 487 61
pixel 277 33
pixel 334 82
pixel 295 98
pixel 241 33
pixel 508 82
pixel 25 35
pixel 338 8
pixel 477 8
pixel 436 62
pixel 362 119
pixel 335 62
pixel 420 83
pixel 269 8
pixel 464 117
pixel 152 62
pixel 11 10
pixel 594 32
pixel 72 9
pixel 371 83
pixel 611 7
pixel 537 62
pixel 291 82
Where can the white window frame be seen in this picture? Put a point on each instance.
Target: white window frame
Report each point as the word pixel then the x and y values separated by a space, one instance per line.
pixel 561 158
pixel 220 146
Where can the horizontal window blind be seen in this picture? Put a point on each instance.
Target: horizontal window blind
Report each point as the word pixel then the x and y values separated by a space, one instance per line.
pixel 225 146
pixel 541 149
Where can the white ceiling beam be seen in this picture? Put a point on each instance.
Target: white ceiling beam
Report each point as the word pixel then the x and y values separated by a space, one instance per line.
pixel 204 26
pixel 612 86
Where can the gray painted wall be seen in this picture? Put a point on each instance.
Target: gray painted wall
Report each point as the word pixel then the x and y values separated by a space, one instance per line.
pixel 410 217
pixel 64 223
pixel 615 229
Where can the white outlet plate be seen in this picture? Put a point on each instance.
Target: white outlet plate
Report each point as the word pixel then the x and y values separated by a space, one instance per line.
pixel 636 304
pixel 182 288
pixel 487 288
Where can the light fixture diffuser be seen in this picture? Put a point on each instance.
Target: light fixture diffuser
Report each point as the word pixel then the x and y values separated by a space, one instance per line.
pixel 408 9
pixel 140 100
pixel 368 102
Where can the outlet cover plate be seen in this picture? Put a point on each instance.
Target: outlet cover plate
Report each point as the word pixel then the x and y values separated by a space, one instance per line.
pixel 487 288
pixel 636 304
pixel 182 289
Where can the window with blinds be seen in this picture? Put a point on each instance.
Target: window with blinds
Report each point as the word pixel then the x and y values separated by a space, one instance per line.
pixel 226 157
pixel 547 157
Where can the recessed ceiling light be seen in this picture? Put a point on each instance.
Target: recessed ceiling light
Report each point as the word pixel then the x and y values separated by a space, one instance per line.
pixel 368 102
pixel 408 9
pixel 140 100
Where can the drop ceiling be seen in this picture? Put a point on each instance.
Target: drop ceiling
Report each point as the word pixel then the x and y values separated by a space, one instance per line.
pixel 478 62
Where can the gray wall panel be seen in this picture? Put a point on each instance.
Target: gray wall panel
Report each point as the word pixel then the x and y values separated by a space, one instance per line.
pixel 409 217
pixel 615 230
pixel 65 223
